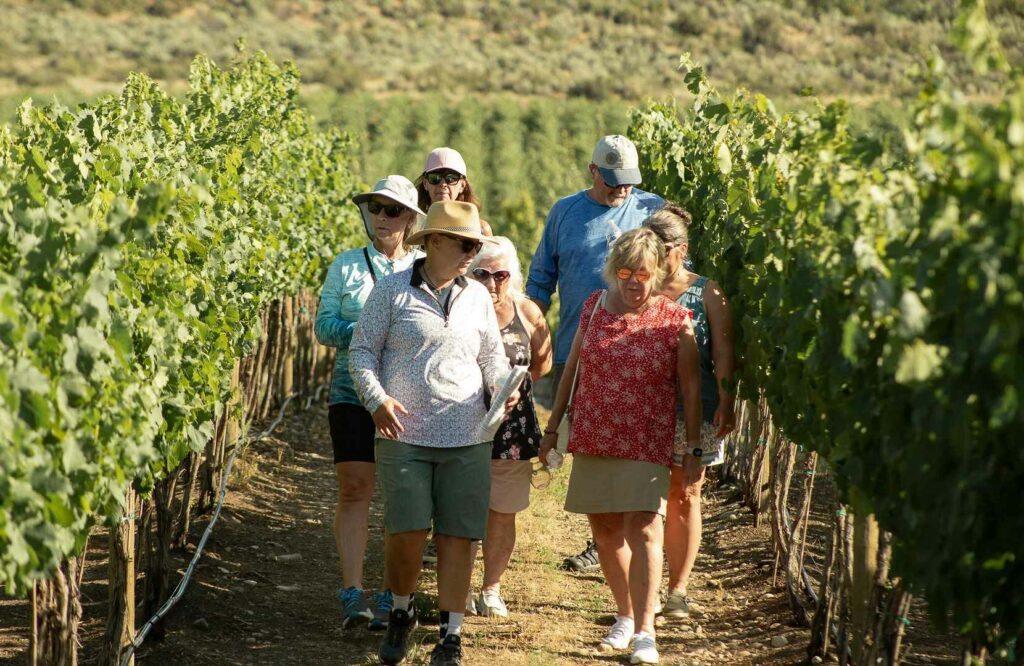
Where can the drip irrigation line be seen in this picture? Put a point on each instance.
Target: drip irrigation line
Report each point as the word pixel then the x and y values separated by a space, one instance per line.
pixel 179 590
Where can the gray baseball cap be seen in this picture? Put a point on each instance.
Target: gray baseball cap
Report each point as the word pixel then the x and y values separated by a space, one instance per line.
pixel 615 157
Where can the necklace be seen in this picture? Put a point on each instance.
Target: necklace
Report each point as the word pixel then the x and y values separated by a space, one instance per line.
pixel 430 281
pixel 399 252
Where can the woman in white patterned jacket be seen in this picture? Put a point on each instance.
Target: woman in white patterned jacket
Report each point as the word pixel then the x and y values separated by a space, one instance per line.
pixel 425 353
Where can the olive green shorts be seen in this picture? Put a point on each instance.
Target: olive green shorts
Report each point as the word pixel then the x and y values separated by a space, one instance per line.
pixel 423 485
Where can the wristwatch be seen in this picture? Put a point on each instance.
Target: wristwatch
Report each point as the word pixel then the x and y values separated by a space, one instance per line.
pixel 695 451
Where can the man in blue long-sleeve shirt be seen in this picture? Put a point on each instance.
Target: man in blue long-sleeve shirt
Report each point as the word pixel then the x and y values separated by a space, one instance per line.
pixel 579 232
pixel 578 235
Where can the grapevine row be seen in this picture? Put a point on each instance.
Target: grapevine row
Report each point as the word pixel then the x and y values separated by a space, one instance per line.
pixel 880 305
pixel 153 255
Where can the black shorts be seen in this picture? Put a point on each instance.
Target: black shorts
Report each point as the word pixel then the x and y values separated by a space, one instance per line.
pixel 352 433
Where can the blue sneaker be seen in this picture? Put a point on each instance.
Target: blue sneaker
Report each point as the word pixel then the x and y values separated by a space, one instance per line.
pixel 354 608
pixel 383 602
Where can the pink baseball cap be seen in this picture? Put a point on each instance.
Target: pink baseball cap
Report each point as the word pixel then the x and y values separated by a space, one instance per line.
pixel 445 158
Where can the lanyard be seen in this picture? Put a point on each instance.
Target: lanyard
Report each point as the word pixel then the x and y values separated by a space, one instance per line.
pixel 446 306
pixel 369 264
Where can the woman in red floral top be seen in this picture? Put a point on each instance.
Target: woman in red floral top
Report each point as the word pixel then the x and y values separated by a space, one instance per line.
pixel 633 348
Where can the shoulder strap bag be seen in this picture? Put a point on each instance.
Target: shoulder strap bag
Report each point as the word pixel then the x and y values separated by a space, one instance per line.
pixel 565 425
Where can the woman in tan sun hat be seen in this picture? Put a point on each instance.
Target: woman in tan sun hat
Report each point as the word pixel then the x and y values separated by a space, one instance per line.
pixel 425 352
pixel 446 178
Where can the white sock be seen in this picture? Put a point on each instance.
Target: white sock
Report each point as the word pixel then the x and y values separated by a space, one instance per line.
pixel 454 626
pixel 623 618
pixel 402 601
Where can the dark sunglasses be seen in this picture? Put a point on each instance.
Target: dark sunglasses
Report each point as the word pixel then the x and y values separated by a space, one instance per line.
pixel 391 210
pixel 482 274
pixel 468 246
pixel 449 177
pixel 607 184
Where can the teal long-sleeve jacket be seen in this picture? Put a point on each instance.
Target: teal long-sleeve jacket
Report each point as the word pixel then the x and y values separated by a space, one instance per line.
pixel 348 285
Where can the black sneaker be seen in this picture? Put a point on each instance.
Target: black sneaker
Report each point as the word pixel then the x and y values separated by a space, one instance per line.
pixel 585 561
pixel 396 640
pixel 448 652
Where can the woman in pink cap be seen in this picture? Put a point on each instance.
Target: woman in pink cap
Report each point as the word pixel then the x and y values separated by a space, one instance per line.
pixel 444 178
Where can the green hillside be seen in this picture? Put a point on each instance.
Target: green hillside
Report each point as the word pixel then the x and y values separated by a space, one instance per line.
pixel 592 49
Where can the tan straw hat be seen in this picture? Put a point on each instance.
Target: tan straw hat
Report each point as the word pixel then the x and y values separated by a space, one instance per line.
pixel 454 218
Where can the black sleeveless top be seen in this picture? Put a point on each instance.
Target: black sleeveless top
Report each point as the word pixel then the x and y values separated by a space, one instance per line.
pixel 518 437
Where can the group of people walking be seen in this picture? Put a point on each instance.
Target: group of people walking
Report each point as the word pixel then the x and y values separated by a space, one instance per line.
pixel 427 320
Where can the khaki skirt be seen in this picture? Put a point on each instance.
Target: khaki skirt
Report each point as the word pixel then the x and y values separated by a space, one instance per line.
pixel 600 484
pixel 510 485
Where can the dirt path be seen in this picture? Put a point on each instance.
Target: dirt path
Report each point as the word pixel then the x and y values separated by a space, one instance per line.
pixel 261 605
pixel 264 592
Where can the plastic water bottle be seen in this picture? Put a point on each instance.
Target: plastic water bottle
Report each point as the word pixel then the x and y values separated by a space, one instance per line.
pixel 554 459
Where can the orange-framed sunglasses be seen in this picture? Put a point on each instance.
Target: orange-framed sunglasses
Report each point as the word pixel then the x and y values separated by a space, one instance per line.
pixel 641 275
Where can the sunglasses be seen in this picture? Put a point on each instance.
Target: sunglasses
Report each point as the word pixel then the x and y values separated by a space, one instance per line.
pixel 391 210
pixel 449 177
pixel 609 185
pixel 467 245
pixel 482 274
pixel 641 275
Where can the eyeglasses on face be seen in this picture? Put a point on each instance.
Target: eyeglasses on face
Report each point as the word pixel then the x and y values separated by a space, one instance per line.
pixel 641 275
pixel 482 274
pixel 449 177
pixel 467 245
pixel 391 210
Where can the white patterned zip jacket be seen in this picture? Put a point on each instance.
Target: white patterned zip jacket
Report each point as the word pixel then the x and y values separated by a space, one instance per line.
pixel 435 362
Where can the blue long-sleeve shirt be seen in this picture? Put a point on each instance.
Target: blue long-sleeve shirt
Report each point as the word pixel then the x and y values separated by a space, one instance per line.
pixel 570 257
pixel 345 291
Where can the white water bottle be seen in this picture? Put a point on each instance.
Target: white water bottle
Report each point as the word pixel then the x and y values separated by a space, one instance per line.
pixel 554 459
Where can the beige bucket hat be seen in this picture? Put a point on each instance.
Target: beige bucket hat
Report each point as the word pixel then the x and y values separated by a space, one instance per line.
pixel 394 187
pixel 454 218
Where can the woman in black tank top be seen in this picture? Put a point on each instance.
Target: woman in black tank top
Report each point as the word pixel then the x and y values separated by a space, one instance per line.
pixel 527 342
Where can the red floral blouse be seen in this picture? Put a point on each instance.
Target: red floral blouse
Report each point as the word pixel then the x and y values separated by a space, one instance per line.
pixel 625 400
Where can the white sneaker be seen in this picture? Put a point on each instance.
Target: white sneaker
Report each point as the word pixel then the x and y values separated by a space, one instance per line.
pixel 471 608
pixel 618 636
pixel 490 604
pixel 644 649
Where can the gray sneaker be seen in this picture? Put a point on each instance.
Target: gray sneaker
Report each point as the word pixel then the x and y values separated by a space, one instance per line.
pixel 677 605
pixel 354 609
pixel 383 603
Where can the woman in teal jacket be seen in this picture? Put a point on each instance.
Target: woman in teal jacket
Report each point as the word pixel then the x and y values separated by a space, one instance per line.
pixel 389 213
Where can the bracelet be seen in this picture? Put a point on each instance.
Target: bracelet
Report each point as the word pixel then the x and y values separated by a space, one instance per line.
pixel 550 432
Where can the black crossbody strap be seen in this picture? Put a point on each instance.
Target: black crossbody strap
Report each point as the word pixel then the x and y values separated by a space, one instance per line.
pixel 369 264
